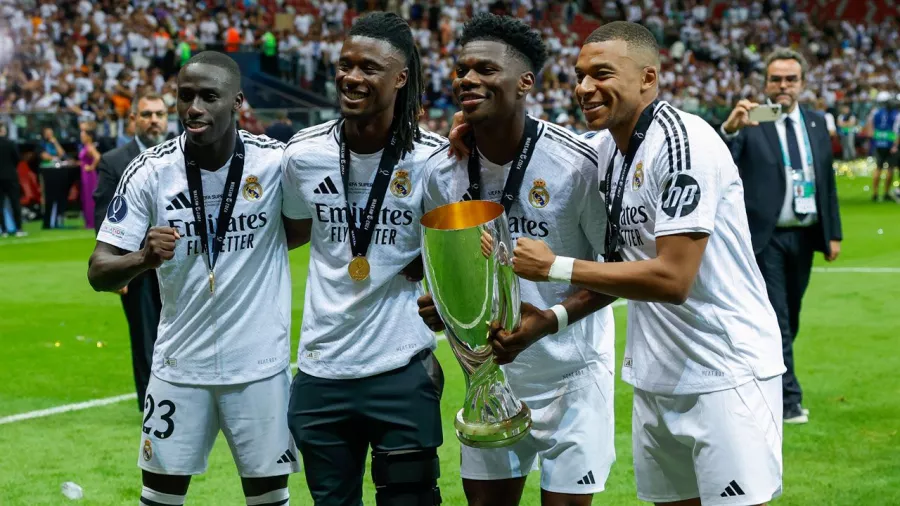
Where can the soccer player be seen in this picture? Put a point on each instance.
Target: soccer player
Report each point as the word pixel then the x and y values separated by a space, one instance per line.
pixel 546 177
pixel 211 199
pixel 703 346
pixel 367 375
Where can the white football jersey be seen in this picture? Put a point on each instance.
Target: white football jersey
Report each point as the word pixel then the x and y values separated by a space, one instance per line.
pixel 560 205
pixel 683 180
pixel 241 332
pixel 355 329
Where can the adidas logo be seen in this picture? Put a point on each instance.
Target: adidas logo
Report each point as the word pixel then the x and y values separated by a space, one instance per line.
pixel 588 479
pixel 286 458
pixel 180 202
pixel 732 490
pixel 326 187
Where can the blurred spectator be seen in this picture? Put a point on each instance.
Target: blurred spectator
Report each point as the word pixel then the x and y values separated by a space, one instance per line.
pixel 847 127
pixel 281 128
pixel 9 183
pixel 88 158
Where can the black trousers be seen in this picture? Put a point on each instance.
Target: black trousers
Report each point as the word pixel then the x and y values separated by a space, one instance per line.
pixel 786 263
pixel 10 188
pixel 335 421
pixel 142 310
pixel 57 183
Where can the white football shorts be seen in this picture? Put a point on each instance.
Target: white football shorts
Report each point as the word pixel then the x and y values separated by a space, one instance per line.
pixel 723 447
pixel 572 443
pixel 181 423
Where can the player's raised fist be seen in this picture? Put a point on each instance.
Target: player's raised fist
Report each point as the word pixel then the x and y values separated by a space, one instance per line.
pixel 159 246
pixel 532 259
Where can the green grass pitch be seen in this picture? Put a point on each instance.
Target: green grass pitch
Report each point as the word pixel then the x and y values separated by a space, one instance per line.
pixel 847 355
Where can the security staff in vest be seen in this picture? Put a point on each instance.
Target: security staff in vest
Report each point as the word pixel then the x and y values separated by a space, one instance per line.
pixel 883 124
pixel 791 199
pixel 140 297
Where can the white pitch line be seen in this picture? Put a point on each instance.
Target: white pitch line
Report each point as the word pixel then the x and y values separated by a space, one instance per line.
pixel 96 403
pixel 41 413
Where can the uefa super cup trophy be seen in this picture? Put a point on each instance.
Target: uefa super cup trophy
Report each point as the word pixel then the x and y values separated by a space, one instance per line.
pixel 467 255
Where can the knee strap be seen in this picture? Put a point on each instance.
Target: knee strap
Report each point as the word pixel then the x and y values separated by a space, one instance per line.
pixel 406 477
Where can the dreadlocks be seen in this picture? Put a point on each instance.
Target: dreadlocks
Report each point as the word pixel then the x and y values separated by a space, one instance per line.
pixel 393 29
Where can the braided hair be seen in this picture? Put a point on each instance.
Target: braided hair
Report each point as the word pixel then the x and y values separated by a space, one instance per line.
pixel 394 30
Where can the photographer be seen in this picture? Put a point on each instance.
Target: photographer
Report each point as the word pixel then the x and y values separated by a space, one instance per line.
pixel 790 195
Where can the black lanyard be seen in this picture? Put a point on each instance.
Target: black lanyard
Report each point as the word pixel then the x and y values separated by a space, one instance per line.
pixel 516 172
pixel 226 207
pixel 361 237
pixel 614 205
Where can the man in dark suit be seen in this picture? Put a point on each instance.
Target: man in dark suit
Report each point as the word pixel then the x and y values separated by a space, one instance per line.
pixel 791 200
pixel 140 298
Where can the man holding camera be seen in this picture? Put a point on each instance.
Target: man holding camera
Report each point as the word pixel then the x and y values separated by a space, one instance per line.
pixel 785 162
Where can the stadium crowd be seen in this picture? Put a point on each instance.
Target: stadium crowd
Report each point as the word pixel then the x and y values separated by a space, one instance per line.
pixel 89 58
pixel 75 65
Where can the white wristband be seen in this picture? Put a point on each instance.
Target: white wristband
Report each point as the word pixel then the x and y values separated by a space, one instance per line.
pixel 562 316
pixel 561 270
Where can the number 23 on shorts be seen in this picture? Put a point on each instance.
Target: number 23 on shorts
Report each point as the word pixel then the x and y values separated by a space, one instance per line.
pixel 167 410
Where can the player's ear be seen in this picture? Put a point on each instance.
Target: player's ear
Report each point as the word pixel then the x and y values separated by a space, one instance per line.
pixel 526 83
pixel 649 77
pixel 402 77
pixel 238 101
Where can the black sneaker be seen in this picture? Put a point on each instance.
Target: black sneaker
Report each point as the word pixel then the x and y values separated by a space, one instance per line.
pixel 794 414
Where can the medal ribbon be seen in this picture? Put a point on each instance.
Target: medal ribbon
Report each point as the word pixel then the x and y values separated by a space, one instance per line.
pixel 516 172
pixel 226 207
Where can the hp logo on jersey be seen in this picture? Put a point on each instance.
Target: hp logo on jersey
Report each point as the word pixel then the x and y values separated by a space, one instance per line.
pixel 117 210
pixel 681 197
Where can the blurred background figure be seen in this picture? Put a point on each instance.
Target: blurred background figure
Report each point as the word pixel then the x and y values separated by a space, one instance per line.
pixel 88 158
pixel 10 190
pixel 884 123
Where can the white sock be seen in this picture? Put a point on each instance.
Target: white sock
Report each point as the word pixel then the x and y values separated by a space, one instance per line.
pixel 150 497
pixel 280 497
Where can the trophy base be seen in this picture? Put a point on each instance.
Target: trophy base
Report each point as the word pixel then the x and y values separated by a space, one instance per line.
pixel 493 435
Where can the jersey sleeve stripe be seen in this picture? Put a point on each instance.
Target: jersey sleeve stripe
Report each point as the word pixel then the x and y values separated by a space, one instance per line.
pixel 433 137
pixel 673 134
pixel 156 152
pixel 570 136
pixel 264 145
pixel 669 136
pixel 443 148
pixel 592 157
pixel 684 136
pixel 311 132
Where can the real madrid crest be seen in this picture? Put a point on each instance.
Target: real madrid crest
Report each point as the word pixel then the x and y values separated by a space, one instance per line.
pixel 148 450
pixel 401 186
pixel 538 195
pixel 252 190
pixel 638 176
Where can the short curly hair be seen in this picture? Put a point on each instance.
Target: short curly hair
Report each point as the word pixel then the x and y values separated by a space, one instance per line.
pixel 523 42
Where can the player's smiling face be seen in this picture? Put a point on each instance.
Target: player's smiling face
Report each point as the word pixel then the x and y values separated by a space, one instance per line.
pixel 207 102
pixel 489 81
pixel 608 83
pixel 370 72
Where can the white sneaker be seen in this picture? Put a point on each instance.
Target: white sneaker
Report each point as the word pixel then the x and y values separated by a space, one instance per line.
pixel 21 233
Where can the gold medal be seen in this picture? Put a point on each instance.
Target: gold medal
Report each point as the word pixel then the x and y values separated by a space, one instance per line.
pixel 212 282
pixel 358 268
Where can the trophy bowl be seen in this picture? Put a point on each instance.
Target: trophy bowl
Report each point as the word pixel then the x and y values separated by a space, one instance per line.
pixel 467 257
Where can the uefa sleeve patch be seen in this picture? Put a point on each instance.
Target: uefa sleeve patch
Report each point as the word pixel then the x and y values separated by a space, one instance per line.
pixel 681 196
pixel 117 210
